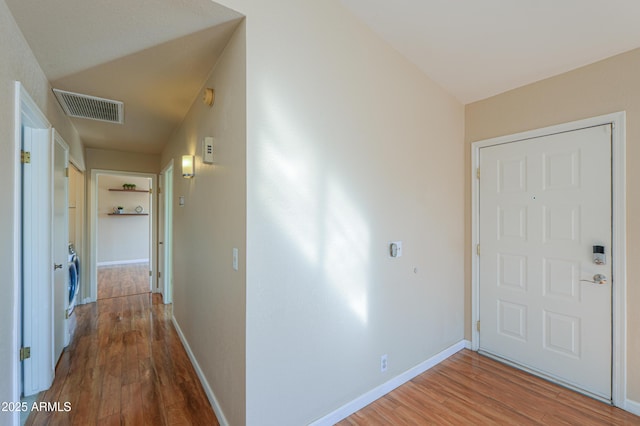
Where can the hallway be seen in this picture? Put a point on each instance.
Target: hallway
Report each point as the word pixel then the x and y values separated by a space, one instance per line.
pixel 126 365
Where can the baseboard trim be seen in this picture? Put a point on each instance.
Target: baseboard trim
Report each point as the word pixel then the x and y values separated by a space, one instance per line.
pixel 203 380
pixel 366 399
pixel 122 262
pixel 632 407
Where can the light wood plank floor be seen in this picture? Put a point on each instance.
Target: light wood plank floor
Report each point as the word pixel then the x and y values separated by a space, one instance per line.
pixel 123 280
pixel 126 366
pixel 469 389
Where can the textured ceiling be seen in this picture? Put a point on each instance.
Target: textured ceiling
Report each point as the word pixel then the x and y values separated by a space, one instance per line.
pixel 476 49
pixel 154 55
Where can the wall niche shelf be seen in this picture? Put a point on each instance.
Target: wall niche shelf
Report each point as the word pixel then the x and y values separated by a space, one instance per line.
pixel 129 190
pixel 128 214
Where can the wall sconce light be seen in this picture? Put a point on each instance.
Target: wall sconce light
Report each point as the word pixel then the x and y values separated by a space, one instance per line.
pixel 188 166
pixel 209 96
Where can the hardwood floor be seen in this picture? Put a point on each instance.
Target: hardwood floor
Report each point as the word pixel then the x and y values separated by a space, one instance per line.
pixel 125 366
pixel 123 280
pixel 469 389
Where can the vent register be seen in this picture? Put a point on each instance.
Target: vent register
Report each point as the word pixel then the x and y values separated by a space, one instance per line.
pixel 91 107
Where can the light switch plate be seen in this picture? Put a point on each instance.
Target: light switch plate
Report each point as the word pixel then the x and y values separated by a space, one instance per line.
pixel 235 259
pixel 395 249
pixel 207 150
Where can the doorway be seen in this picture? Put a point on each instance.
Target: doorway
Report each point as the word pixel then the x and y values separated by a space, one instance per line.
pixel 536 303
pixel 123 235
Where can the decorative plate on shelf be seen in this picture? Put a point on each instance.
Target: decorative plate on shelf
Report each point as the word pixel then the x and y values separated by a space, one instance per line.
pixel 139 209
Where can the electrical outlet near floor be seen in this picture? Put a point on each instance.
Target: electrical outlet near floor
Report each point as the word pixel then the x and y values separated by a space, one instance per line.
pixel 383 363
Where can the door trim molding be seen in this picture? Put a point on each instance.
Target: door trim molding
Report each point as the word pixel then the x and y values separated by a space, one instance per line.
pixel 619 244
pixel 167 217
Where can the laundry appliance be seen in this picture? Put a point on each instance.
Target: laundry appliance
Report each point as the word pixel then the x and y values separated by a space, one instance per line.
pixel 74 279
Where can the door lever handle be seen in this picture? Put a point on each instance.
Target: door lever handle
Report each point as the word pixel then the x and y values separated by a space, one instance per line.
pixel 597 279
pixel 57 266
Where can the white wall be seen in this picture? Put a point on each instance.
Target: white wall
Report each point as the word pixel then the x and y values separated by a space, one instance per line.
pixel 349 146
pixel 18 64
pixel 208 295
pixel 122 239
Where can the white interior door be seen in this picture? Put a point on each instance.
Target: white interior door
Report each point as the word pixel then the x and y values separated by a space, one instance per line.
pixel 37 261
pixel 60 248
pixel 159 287
pixel 544 203
pixel 166 235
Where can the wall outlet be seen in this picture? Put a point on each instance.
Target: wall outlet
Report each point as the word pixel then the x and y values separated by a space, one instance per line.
pixel 383 363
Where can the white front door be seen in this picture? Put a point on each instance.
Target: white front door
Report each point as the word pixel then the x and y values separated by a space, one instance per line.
pixel 544 203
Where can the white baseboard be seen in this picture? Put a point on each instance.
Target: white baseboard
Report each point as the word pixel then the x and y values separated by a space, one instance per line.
pixel 632 407
pixel 122 262
pixel 467 344
pixel 366 399
pixel 203 380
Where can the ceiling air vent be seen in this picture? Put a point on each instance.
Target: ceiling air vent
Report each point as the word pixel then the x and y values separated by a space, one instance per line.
pixel 91 107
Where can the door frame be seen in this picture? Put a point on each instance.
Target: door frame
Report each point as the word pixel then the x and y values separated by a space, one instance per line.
pixel 92 214
pixel 165 211
pixel 618 234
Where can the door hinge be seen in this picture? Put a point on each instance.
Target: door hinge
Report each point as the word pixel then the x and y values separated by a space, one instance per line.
pixel 25 157
pixel 66 172
pixel 478 326
pixel 478 249
pixel 150 273
pixel 25 353
pixel 159 274
pixel 159 190
pixel 478 173
pixel 150 190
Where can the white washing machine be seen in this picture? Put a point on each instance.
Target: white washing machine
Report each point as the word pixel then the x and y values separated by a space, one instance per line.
pixel 74 279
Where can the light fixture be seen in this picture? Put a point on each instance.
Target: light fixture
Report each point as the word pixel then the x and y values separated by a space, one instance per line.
pixel 209 96
pixel 188 168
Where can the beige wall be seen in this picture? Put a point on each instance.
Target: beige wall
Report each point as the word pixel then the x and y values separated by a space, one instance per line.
pixel 349 146
pixel 208 295
pixel 122 239
pixel 104 159
pixel 18 64
pixel 608 86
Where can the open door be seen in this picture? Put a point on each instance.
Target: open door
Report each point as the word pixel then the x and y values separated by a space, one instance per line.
pixel 37 261
pixel 60 247
pixel 165 234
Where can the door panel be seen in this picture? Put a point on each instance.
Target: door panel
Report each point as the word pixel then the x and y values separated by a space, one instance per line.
pixel 544 203
pixel 37 261
pixel 60 248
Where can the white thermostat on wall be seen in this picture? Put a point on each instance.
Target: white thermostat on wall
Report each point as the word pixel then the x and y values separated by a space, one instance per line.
pixel 207 150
